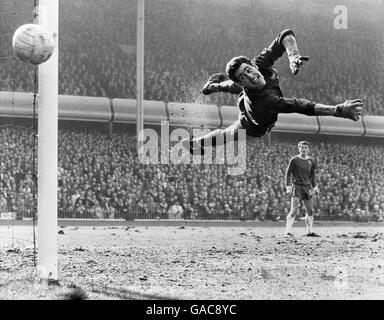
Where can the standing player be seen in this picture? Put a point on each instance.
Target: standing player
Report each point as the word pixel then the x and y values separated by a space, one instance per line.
pixel 300 183
pixel 260 97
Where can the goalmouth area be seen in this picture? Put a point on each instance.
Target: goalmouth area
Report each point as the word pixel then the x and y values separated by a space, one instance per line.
pixel 139 260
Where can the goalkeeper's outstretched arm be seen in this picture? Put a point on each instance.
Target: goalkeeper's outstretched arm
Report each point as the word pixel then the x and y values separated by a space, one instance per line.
pixel 350 109
pixel 226 86
pixel 295 59
pixel 218 83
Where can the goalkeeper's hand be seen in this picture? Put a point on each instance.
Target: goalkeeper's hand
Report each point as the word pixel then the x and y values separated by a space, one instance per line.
pixel 316 190
pixel 296 61
pixel 350 109
pixel 289 189
pixel 211 85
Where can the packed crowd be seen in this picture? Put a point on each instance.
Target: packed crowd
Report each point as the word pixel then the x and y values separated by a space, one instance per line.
pixel 101 177
pixel 186 41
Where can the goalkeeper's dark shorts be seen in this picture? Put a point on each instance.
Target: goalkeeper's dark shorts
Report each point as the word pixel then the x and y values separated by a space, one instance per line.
pixel 252 129
pixel 302 192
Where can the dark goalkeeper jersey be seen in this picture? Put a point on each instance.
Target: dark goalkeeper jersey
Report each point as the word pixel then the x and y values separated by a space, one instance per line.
pixel 259 109
pixel 301 171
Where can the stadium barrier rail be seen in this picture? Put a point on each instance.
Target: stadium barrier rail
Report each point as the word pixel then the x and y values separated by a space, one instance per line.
pixel 124 111
pixel 338 126
pixel 101 109
pixel 374 126
pixel 193 115
pixel 84 108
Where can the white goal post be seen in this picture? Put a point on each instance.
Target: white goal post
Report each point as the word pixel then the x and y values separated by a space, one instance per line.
pixel 48 16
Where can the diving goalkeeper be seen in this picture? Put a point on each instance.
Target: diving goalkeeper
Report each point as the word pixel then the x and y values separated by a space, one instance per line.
pixel 260 99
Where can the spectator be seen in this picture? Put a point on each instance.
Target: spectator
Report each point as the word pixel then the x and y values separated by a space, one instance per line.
pixel 125 187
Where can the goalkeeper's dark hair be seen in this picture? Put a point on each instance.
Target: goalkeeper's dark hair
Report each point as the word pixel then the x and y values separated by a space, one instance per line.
pixel 234 64
pixel 303 142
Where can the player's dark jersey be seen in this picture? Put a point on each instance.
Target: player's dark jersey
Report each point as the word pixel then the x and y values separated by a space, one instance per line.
pixel 301 171
pixel 259 109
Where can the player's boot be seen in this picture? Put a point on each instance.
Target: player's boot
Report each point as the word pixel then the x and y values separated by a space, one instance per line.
pixel 192 147
pixel 215 78
pixel 350 109
pixel 312 234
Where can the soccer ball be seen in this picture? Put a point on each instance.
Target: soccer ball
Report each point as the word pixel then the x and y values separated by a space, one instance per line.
pixel 33 43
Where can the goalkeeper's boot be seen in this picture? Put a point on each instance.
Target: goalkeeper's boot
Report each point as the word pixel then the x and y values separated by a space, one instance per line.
pixel 350 109
pixel 215 78
pixel 192 146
